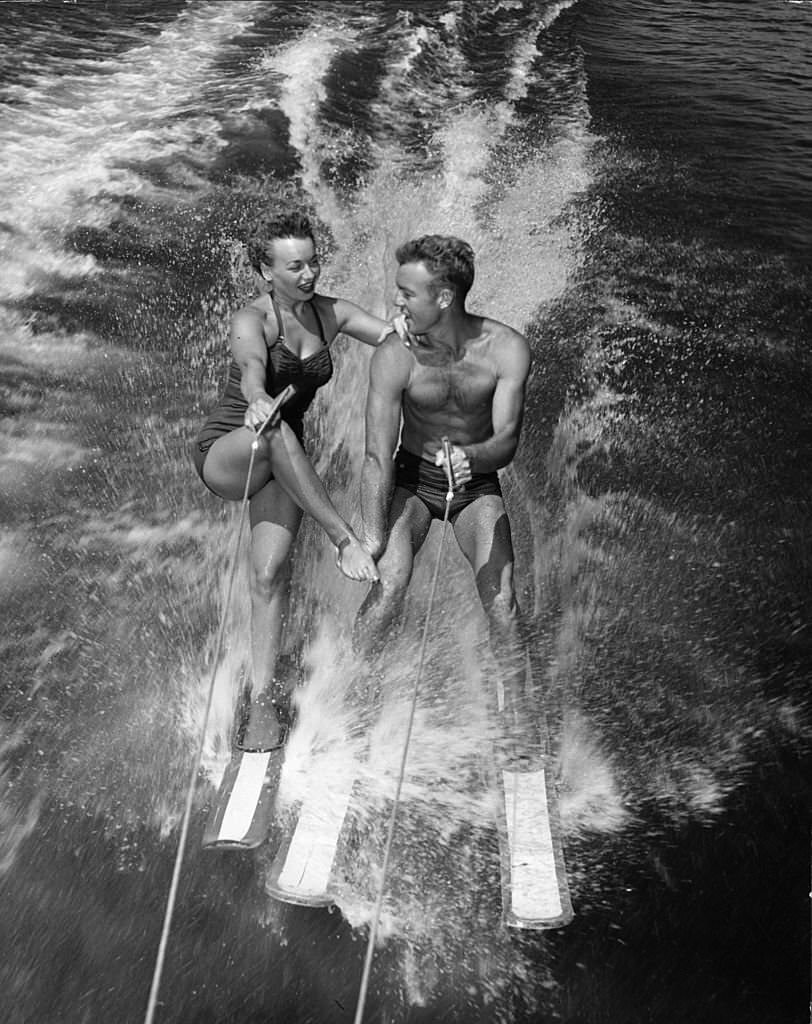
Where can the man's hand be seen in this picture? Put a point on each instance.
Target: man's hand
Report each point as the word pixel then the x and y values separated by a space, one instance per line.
pixel 460 464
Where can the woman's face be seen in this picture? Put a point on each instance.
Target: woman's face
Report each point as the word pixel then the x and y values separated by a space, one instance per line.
pixel 294 270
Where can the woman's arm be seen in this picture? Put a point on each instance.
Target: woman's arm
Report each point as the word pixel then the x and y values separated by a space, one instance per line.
pixel 348 318
pixel 250 351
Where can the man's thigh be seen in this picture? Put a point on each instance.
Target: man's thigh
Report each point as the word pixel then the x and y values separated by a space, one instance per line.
pixel 409 522
pixel 483 533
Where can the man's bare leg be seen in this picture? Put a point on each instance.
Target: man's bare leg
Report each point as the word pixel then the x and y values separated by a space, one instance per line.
pixel 382 608
pixel 483 533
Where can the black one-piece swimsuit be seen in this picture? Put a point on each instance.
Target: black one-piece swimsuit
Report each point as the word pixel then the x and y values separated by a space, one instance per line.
pixel 284 367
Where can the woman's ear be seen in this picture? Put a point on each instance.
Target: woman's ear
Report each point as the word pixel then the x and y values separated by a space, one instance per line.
pixel 266 273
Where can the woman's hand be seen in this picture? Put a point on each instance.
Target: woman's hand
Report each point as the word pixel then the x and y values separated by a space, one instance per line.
pixel 353 559
pixel 374 545
pixel 259 409
pixel 399 325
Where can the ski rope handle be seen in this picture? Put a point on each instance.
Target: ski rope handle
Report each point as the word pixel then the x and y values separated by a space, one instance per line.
pixel 376 916
pixel 152 1003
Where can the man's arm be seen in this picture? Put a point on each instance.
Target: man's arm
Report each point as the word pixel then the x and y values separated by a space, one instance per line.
pixel 388 377
pixel 507 411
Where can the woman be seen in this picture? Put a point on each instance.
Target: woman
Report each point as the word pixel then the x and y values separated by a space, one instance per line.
pixel 281 337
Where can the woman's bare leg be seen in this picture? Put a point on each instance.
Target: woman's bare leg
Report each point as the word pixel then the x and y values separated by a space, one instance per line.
pixel 279 454
pixel 275 520
pixel 283 482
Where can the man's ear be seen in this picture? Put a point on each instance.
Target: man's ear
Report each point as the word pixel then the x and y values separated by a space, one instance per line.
pixel 446 297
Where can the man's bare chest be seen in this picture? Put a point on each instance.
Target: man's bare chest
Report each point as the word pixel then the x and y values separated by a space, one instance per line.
pixel 465 385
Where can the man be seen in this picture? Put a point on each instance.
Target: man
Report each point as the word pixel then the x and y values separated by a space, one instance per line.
pixel 456 376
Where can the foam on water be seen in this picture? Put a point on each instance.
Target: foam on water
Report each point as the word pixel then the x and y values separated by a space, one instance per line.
pixel 18 817
pixel 302 65
pixel 70 140
pixel 591 796
pixel 117 587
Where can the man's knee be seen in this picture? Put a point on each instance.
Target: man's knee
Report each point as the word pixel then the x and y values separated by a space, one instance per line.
pixel 380 612
pixel 388 595
pixel 502 609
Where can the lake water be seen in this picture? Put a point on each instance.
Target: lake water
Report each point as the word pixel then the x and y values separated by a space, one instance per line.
pixel 635 179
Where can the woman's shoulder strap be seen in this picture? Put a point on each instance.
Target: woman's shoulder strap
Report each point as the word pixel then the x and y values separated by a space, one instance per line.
pixel 277 312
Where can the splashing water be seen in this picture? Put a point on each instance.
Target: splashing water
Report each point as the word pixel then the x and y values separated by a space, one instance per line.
pixel 639 562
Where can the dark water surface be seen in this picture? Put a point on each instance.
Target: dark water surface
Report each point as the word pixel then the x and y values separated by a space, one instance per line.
pixel 635 180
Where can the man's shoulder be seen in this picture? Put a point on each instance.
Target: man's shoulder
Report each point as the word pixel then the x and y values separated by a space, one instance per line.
pixel 499 331
pixel 392 359
pixel 507 343
pixel 393 351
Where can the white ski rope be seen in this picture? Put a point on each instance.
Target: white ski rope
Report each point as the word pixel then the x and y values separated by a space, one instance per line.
pixel 376 916
pixel 193 776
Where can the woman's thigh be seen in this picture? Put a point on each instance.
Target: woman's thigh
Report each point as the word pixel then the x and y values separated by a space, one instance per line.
pixel 274 515
pixel 227 462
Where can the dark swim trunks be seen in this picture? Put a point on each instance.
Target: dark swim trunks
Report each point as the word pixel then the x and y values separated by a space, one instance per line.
pixel 284 367
pixel 428 482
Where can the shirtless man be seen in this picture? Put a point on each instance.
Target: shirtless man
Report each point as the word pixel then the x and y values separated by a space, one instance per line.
pixel 455 376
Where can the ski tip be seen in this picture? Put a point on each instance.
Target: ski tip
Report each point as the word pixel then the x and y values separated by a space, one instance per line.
pixel 242 813
pixel 298 897
pixel 517 923
pixel 246 843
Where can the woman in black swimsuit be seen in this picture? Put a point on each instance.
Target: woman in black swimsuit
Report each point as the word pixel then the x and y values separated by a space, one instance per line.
pixel 282 337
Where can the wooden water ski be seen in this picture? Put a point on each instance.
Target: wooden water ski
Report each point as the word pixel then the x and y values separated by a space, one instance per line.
pixel 302 870
pixel 535 893
pixel 243 809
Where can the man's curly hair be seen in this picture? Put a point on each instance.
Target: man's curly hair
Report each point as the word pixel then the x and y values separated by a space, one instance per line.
pixel 450 261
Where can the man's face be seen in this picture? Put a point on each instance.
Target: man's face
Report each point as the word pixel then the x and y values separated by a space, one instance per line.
pixel 415 297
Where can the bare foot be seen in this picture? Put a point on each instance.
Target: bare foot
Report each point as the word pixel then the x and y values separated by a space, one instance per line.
pixel 355 561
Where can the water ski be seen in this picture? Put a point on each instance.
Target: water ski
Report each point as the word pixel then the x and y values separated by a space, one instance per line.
pixel 311 826
pixel 243 810
pixel 535 893
pixel 242 813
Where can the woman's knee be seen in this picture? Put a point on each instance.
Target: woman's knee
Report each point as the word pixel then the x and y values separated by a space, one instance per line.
pixel 226 465
pixel 278 442
pixel 269 579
